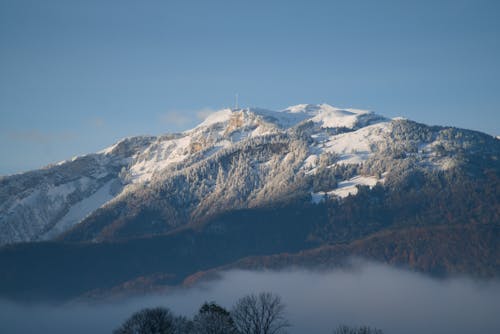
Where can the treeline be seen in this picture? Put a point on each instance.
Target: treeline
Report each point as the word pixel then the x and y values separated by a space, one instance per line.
pixel 419 199
pixel 252 314
pixel 276 168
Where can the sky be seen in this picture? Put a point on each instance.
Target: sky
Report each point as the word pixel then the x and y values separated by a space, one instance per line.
pixel 76 76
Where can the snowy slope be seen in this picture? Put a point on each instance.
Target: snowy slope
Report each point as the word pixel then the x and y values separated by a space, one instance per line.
pixel 227 127
pixel 83 208
pixel 42 203
pixel 236 158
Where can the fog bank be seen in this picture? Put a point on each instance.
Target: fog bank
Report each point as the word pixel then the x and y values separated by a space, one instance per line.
pixel 368 294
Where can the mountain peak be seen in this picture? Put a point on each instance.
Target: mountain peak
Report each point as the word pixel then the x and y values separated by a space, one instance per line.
pixel 250 154
pixel 327 116
pixel 219 116
pixel 314 109
pixel 333 117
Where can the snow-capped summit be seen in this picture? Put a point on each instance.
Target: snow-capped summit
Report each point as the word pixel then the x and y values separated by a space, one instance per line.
pixel 315 109
pixel 224 128
pixel 236 158
pixel 220 116
pixel 332 117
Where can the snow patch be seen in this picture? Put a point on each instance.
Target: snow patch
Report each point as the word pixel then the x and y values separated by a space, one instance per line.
pixel 327 115
pixel 158 156
pixel 109 150
pixel 285 119
pixel 335 118
pixel 311 162
pixel 357 146
pixel 346 188
pixel 349 187
pixel 220 116
pixel 82 209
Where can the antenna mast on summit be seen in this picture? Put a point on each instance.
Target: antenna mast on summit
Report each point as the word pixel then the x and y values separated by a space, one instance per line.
pixel 236 101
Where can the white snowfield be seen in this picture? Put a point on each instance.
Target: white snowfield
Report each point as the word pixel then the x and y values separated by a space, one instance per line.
pixel 357 146
pixel 52 203
pixel 346 188
pixel 225 127
pixel 81 210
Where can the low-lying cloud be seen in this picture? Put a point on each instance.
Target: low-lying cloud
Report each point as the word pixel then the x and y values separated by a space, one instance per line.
pixel 316 302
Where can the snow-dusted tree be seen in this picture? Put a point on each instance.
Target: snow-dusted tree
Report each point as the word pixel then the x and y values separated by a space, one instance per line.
pixel 260 314
pixel 213 319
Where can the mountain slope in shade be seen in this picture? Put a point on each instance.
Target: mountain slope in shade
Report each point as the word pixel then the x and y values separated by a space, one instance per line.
pixel 41 204
pixel 451 231
pixel 417 248
pixel 310 185
pixel 234 159
pixel 304 161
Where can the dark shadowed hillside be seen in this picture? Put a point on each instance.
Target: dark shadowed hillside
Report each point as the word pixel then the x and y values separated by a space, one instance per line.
pixel 453 230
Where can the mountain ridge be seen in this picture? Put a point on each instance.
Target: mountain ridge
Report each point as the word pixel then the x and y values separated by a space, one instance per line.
pixel 311 185
pixel 319 136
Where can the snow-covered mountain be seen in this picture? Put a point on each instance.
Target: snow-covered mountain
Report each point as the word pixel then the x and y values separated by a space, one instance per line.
pixel 236 158
pixel 41 204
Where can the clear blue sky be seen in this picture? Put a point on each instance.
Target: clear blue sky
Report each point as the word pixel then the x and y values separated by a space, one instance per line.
pixel 75 76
